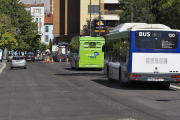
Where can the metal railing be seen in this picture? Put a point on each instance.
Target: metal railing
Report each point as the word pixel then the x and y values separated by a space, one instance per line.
pixel 112 12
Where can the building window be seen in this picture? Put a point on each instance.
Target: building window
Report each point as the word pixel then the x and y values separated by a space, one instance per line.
pixel 111 8
pixel 94 8
pixel 40 20
pixel 40 29
pixel 47 29
pixel 37 10
pixel 40 10
pixel 47 38
pixel 36 19
pixel 33 19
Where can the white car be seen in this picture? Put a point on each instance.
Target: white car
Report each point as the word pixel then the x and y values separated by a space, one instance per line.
pixel 18 61
pixel 1 55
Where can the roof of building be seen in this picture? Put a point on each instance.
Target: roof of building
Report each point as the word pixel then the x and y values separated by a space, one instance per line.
pixel 48 18
pixel 35 4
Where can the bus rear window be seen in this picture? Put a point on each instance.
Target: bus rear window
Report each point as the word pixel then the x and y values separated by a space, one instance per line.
pixel 92 45
pixel 156 39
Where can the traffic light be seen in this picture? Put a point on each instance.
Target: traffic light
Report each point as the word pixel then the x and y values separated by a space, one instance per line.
pixel 17 30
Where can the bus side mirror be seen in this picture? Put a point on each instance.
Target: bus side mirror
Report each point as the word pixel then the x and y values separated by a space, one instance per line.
pixel 103 48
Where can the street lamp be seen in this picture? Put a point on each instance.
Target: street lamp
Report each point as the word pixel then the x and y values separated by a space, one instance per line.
pixel 99 16
pixel 90 17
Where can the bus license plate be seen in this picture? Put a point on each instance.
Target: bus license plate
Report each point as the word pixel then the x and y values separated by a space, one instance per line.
pixel 155 79
pixel 92 65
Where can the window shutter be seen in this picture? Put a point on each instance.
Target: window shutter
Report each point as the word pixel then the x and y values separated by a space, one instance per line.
pixel 40 10
pixel 33 10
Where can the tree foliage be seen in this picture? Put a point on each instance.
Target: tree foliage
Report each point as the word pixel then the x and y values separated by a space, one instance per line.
pixel 18 17
pixel 151 11
pixel 50 45
pixel 8 41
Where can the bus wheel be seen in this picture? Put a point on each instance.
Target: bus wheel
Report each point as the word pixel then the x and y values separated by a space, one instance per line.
pixel 120 79
pixel 109 79
pixel 72 67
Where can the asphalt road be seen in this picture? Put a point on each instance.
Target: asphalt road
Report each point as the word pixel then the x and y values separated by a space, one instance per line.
pixel 53 91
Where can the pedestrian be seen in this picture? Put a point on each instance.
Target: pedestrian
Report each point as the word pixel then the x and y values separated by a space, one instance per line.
pixel 38 56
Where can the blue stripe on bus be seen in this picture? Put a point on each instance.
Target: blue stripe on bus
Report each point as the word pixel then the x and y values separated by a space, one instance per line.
pixel 134 49
pixel 131 49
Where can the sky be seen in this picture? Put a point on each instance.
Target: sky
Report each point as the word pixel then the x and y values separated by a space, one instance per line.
pixel 46 2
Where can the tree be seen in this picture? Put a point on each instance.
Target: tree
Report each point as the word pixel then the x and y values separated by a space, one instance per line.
pixel 47 46
pixel 20 18
pixel 169 13
pixel 151 11
pixel 7 40
pixel 86 28
pixel 50 45
pixel 141 10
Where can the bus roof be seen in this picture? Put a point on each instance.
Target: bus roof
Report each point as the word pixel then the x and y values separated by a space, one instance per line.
pixel 78 38
pixel 91 38
pixel 132 26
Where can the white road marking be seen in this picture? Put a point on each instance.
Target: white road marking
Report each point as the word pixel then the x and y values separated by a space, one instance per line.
pixel 3 66
pixel 174 87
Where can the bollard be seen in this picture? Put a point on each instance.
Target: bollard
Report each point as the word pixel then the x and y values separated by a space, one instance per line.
pixel 67 59
pixel 52 60
pixel 45 60
pixel 60 60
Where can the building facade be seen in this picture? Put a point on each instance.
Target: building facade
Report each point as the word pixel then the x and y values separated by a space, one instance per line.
pixel 48 25
pixel 70 16
pixel 37 12
pixel 109 10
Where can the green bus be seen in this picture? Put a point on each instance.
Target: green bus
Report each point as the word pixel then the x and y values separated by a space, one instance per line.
pixel 86 52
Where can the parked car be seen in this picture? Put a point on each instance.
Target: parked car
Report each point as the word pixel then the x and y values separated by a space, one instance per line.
pixel 9 57
pixel 1 55
pixel 30 57
pixel 18 61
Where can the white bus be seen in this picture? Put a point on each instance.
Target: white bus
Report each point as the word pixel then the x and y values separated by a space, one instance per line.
pixel 143 52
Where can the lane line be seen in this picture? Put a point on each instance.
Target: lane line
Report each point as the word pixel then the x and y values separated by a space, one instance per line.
pixel 3 66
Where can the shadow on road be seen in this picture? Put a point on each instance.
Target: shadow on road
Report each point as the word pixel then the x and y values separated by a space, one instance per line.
pixel 81 74
pixel 38 59
pixel 83 69
pixel 129 86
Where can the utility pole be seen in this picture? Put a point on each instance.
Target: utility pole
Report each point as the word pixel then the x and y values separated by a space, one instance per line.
pixel 99 16
pixel 131 13
pixel 90 17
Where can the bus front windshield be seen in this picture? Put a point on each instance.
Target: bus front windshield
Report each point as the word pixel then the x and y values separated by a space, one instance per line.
pixel 156 39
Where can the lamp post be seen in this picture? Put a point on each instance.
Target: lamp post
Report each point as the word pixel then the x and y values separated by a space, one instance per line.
pixel 99 17
pixel 131 13
pixel 90 17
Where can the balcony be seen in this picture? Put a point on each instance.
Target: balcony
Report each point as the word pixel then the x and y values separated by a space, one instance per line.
pixel 108 12
pixel 40 24
pixel 40 33
pixel 110 28
pixel 111 1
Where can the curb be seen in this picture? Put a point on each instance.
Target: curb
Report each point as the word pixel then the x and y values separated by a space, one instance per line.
pixel 3 66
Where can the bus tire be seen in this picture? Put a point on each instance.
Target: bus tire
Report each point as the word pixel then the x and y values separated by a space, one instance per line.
pixel 109 79
pixel 120 79
pixel 72 66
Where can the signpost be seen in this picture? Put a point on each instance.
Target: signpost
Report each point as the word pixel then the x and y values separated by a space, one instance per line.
pixel 99 27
